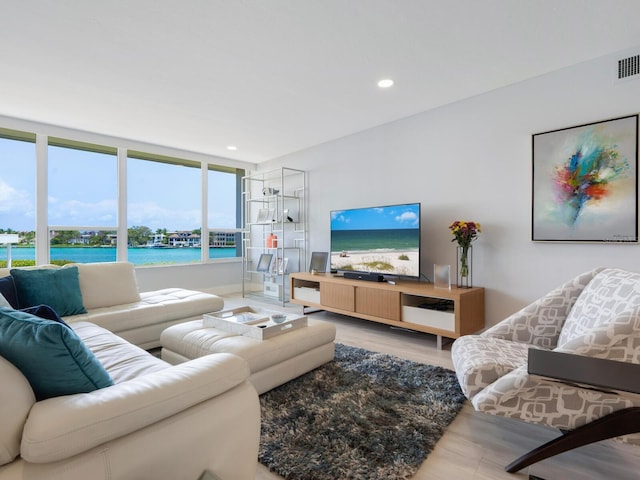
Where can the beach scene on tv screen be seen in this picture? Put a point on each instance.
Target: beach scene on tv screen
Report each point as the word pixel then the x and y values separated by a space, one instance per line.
pixel 382 240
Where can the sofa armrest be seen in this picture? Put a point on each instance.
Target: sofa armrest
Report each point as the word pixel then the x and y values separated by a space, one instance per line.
pixel 61 427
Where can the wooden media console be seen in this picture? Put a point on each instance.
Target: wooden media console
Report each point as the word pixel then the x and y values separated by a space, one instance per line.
pixel 414 305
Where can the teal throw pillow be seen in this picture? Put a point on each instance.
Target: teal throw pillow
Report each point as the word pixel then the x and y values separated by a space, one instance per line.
pixel 58 288
pixel 50 355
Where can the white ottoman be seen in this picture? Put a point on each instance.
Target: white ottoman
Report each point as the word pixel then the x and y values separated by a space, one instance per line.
pixel 272 362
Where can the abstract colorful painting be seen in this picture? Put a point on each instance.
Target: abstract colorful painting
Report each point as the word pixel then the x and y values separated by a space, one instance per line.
pixel 585 183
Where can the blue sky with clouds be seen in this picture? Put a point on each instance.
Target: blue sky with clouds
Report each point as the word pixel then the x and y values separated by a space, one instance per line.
pixel 83 191
pixel 388 217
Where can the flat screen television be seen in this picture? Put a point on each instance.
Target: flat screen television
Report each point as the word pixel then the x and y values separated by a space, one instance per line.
pixel 384 240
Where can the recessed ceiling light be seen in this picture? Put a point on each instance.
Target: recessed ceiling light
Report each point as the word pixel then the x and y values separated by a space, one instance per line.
pixel 386 83
pixel 232 147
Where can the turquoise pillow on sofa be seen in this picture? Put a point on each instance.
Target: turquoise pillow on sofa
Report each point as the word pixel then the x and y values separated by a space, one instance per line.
pixel 50 355
pixel 58 288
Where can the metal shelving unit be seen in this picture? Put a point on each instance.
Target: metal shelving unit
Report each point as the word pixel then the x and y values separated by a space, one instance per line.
pixel 274 205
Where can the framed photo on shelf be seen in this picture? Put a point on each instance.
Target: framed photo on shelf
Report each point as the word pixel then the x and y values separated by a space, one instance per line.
pixel 585 183
pixel 264 262
pixel 263 216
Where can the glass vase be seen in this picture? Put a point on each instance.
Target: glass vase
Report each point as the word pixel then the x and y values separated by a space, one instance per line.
pixel 464 257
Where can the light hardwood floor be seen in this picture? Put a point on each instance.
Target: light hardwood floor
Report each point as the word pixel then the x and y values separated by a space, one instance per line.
pixel 476 446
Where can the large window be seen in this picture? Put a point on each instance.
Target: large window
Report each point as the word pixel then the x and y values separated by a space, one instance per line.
pixel 17 196
pixel 82 202
pixel 164 206
pixel 97 196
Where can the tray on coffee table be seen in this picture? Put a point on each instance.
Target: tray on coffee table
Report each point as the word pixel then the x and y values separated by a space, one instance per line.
pixel 253 322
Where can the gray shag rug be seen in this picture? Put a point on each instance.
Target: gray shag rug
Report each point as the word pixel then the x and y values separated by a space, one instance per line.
pixel 365 415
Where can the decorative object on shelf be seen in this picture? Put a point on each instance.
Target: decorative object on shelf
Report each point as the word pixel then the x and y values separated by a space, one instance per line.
pixel 272 240
pixel 464 233
pixel 280 266
pixel 286 217
pixel 263 215
pixel 585 183
pixel 270 191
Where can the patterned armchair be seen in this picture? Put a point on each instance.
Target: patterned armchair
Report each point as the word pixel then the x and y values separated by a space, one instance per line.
pixel 597 314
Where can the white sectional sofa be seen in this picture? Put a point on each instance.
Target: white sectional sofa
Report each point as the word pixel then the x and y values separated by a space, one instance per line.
pixel 80 400
pixel 112 300
pixel 156 421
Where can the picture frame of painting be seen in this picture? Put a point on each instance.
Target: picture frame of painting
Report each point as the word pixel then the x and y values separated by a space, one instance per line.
pixel 585 183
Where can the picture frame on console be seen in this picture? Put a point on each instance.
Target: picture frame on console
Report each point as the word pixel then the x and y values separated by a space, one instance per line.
pixel 585 183
pixel 318 263
pixel 442 276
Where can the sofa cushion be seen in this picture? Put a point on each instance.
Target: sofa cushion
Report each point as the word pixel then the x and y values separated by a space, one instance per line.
pixel 50 355
pixel 605 321
pixel 58 288
pixel 16 398
pixel 107 284
pixel 8 290
pixel 154 307
pixel 123 360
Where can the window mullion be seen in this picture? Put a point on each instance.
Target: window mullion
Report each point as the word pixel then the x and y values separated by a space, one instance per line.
pixel 122 251
pixel 42 206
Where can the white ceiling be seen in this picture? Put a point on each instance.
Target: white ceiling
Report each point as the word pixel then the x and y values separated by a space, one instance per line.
pixel 278 76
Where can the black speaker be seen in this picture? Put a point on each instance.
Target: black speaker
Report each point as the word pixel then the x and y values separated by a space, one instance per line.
pixel 370 277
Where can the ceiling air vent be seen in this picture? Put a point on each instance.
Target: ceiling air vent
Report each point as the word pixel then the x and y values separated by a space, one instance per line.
pixel 629 68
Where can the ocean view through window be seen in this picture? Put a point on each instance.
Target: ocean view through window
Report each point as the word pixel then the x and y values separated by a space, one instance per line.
pixel 17 189
pixel 163 209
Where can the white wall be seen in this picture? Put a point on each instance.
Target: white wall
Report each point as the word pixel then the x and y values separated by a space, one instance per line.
pixel 472 161
pixel 221 277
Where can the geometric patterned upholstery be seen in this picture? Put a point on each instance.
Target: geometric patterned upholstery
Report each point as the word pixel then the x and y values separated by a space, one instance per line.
pixel 605 321
pixel 596 314
pixel 541 322
pixel 480 361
